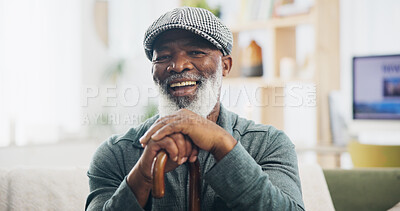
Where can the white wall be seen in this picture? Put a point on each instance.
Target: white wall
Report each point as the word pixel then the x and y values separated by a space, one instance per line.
pixel 39 68
pixel 130 19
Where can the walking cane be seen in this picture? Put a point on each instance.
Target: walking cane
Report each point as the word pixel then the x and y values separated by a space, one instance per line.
pixel 158 190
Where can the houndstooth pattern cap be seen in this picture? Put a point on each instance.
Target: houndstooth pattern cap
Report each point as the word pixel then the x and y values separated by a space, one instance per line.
pixel 197 20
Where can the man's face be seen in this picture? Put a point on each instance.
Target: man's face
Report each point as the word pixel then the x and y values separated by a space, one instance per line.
pixel 188 71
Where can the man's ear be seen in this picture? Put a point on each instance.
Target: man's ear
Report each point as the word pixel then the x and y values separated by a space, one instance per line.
pixel 226 65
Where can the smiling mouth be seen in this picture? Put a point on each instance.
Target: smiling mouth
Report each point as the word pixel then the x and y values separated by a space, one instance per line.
pixel 183 84
pixel 183 88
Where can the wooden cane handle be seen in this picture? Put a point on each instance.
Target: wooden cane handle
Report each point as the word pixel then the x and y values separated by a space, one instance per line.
pixel 159 162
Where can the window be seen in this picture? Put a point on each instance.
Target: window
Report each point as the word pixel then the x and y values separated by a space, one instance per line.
pixel 39 70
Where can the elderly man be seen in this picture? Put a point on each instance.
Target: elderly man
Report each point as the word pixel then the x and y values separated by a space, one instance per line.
pixel 244 166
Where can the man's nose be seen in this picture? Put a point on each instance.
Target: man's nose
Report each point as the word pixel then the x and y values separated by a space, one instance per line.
pixel 180 63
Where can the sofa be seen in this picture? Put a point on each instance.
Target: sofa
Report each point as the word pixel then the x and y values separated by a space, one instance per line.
pixel 364 188
pixel 28 188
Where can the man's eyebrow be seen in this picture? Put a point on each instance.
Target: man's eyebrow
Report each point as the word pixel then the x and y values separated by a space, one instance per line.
pixel 199 44
pixel 191 43
pixel 161 48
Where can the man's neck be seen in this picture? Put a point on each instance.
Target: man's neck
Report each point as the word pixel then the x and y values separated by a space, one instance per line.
pixel 213 116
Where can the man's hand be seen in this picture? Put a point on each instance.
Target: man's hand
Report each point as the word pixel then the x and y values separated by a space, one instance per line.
pixel 204 133
pixel 179 149
pixel 180 135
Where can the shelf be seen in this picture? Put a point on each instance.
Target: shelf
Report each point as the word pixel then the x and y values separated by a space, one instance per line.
pixel 281 42
pixel 290 21
pixel 323 149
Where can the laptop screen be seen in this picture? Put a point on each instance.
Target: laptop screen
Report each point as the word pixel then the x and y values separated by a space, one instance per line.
pixel 376 87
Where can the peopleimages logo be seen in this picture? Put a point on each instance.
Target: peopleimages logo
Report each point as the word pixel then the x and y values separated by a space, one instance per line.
pixel 295 95
pixel 113 95
pixel 112 119
pixel 115 104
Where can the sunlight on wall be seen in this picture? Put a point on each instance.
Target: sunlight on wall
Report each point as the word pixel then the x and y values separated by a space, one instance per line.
pixel 40 70
pixel 50 52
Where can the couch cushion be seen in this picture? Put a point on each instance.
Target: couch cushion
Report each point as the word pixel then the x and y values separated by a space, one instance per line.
pixel 364 188
pixel 3 189
pixel 44 189
pixel 67 188
pixel 316 194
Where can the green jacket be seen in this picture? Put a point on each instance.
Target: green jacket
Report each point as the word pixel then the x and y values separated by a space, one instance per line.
pixel 260 173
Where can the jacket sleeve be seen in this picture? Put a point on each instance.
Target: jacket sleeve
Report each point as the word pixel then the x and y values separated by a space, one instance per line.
pixel 271 183
pixel 107 181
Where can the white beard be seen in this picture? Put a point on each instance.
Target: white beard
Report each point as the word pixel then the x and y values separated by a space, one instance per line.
pixel 204 102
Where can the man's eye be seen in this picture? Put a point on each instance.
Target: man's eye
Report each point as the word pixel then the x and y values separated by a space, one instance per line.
pixel 197 53
pixel 162 58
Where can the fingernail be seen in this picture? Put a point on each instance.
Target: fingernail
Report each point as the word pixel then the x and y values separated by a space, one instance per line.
pixel 183 160
pixel 175 158
pixel 193 159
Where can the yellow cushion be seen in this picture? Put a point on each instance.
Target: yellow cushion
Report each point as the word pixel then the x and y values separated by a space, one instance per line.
pixel 368 155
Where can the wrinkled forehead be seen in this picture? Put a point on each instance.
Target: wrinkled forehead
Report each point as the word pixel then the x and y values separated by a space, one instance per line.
pixel 182 37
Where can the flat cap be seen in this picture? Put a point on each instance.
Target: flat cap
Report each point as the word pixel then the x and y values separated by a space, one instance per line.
pixel 197 20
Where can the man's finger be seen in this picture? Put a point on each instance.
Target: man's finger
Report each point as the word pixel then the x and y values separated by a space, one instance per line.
pixel 189 147
pixel 180 142
pixel 156 126
pixel 146 137
pixel 170 128
pixel 194 154
pixel 170 146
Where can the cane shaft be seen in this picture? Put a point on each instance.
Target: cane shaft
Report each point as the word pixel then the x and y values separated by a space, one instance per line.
pixel 194 186
pixel 158 189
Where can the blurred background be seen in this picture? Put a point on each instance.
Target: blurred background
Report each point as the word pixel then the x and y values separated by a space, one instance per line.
pixel 74 72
